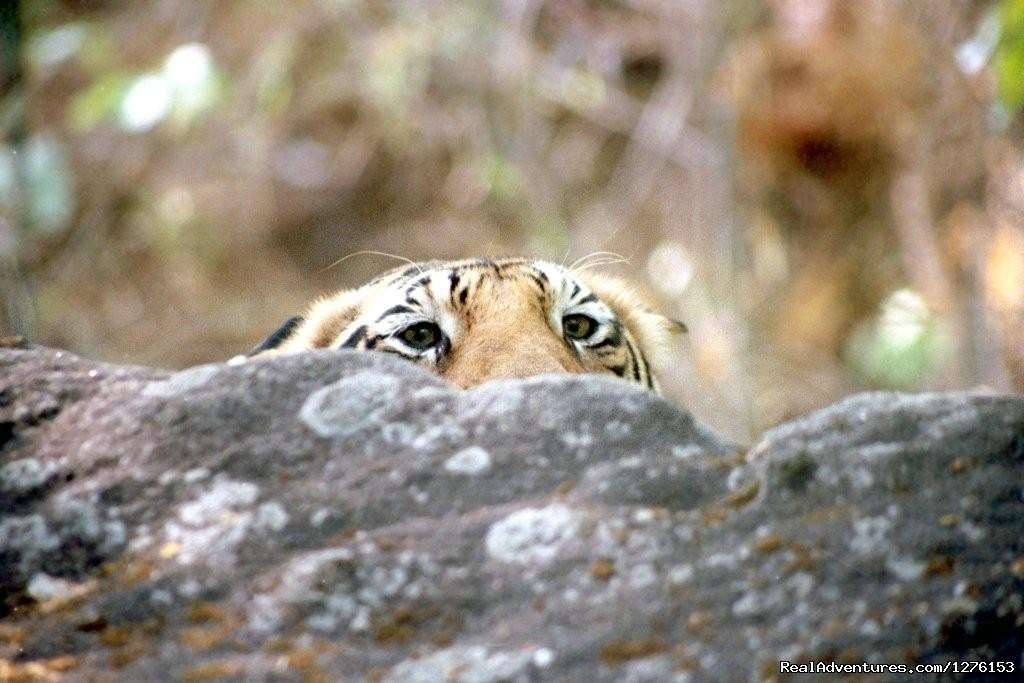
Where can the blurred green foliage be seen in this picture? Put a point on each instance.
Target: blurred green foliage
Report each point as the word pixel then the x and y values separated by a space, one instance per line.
pixel 902 346
pixel 500 176
pixel 1009 57
pixel 186 84
pixel 191 168
pixel 49 190
pixel 98 102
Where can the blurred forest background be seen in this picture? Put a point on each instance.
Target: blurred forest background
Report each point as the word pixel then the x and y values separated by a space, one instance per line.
pixel 829 192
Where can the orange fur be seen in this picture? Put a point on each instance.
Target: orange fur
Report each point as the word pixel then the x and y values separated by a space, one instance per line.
pixel 500 318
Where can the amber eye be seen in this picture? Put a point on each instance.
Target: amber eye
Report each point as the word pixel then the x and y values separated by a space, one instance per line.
pixel 421 336
pixel 578 326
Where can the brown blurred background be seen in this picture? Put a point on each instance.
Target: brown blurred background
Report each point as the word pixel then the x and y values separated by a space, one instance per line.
pixel 830 193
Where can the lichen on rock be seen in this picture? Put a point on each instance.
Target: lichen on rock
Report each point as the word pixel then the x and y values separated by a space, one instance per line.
pixel 347 515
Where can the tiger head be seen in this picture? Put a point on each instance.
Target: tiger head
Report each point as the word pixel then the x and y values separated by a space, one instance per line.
pixel 476 320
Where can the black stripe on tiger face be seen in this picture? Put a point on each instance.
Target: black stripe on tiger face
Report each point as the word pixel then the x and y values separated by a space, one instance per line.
pixel 396 310
pixel 278 336
pixel 353 340
pixel 645 371
pixel 641 369
pixel 633 360
pixel 421 286
pixel 374 341
pixel 397 352
pixel 613 340
pixel 460 279
pixel 541 283
pixel 418 292
pixel 458 289
pixel 645 368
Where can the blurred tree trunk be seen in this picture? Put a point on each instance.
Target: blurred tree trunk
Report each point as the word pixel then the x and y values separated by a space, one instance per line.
pixel 16 312
pixel 859 136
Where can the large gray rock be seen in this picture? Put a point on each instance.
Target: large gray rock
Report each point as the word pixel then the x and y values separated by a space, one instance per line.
pixel 343 516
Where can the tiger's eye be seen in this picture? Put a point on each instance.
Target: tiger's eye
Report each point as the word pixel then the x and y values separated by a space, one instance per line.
pixel 578 326
pixel 421 336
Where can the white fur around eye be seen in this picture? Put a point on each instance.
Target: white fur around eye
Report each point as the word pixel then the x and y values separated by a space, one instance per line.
pixel 564 285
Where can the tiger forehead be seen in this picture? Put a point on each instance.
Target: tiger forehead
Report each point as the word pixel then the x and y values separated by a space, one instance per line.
pixel 497 268
pixel 459 281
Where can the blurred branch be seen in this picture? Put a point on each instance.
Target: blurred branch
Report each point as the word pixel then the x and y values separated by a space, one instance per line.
pixel 985 344
pixel 652 141
pixel 919 247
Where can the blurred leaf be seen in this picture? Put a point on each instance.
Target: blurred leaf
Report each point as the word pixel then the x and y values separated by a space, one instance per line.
pixel 1012 12
pixel 583 90
pixel 275 96
pixel 36 12
pixel 187 84
pixel 48 184
pixel 193 81
pixel 53 47
pixel 902 347
pixel 1009 58
pixel 1010 76
pixel 99 52
pixel 146 102
pixel 463 27
pixel 97 102
pixel 397 68
pixel 977 52
pixel 502 177
pixel 52 299
pixel 8 177
pixel 272 72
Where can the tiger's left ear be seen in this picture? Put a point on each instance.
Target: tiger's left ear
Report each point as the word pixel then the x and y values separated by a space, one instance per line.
pixel 655 333
pixel 677 326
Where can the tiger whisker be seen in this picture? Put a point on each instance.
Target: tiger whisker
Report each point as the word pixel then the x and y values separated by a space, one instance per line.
pixel 363 253
pixel 594 254
pixel 616 258
pixel 598 264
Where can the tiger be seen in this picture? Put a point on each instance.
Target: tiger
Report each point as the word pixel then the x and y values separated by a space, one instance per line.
pixel 481 319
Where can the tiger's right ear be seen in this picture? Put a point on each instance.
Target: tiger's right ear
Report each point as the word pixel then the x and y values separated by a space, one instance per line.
pixel 278 336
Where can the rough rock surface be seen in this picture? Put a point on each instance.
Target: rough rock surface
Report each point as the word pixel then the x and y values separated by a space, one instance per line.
pixel 343 516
